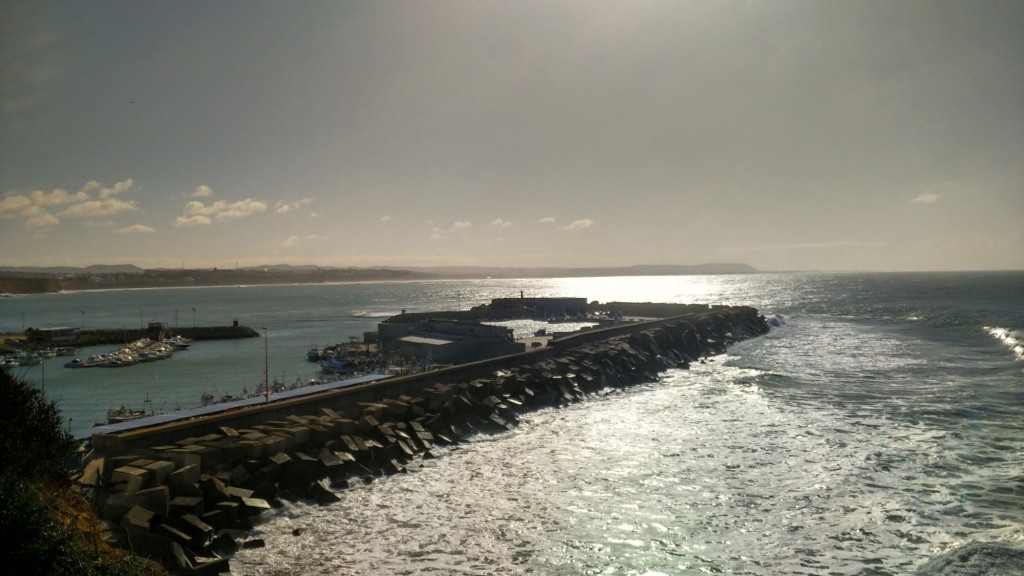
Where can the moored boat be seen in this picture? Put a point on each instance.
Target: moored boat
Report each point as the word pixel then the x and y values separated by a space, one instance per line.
pixel 333 365
pixel 178 342
pixel 123 414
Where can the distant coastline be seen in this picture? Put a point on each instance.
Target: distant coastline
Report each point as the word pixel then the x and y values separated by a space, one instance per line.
pixel 45 280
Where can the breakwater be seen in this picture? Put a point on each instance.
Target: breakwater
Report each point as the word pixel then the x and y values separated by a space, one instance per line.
pixel 116 336
pixel 186 494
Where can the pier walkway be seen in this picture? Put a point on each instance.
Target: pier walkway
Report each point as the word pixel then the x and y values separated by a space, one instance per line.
pixel 231 406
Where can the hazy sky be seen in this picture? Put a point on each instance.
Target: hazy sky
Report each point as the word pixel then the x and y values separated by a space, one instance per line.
pixel 838 135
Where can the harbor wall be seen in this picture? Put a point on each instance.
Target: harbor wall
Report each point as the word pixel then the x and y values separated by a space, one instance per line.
pixel 186 493
pixel 115 336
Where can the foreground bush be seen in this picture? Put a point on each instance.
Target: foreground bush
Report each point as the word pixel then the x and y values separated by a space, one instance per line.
pixel 46 527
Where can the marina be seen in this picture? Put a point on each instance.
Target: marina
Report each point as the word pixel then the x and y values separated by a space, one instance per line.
pixel 139 351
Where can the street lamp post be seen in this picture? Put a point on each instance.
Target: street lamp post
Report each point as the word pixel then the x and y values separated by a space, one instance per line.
pixel 266 366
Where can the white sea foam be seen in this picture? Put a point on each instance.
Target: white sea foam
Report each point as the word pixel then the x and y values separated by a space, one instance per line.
pixel 1013 339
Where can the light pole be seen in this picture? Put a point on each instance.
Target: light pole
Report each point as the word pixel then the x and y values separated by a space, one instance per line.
pixel 266 365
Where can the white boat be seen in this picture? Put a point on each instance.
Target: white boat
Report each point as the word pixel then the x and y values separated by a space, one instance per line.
pixel 178 342
pixel 27 359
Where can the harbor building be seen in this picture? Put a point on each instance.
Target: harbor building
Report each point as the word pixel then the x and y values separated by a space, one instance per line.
pixel 446 341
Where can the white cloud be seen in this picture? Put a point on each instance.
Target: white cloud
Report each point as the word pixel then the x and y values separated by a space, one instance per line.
pixel 14 206
pixel 56 198
pixel 241 209
pixel 196 213
pixel 579 224
pixel 547 220
pixel 136 229
pixel 118 188
pixel 42 220
pixel 188 221
pixel 105 207
pixel 385 219
pixel 925 198
pixel 201 191
pixel 285 207
pixel 436 234
pixel 79 205
pixel 461 225
pixel 289 242
pixel 499 223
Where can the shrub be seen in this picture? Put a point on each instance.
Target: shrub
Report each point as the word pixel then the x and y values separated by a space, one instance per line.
pixel 46 527
pixel 33 443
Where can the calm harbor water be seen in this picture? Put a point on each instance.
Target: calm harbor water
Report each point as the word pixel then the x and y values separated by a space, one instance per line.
pixel 879 427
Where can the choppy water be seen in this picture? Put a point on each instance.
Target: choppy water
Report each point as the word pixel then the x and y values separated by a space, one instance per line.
pixel 878 428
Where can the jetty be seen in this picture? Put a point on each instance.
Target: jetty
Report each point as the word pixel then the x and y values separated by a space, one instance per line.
pixel 185 492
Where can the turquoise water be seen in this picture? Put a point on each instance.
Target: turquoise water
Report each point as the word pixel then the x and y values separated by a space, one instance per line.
pixel 879 427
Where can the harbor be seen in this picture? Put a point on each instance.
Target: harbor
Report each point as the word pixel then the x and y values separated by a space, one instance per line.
pixel 316 440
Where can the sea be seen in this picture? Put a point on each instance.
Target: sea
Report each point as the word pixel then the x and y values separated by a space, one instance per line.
pixel 878 429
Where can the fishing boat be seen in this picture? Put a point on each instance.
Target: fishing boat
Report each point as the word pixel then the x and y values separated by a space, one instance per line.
pixel 123 414
pixel 333 365
pixel 126 414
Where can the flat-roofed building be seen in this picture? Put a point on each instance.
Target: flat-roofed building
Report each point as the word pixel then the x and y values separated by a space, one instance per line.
pixel 446 341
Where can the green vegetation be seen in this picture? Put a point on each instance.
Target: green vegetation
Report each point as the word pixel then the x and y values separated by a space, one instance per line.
pixel 46 526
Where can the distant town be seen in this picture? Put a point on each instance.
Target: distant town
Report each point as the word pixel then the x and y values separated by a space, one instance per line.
pixel 39 280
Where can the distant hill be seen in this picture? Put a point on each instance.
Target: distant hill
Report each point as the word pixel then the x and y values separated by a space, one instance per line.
pixel 541 272
pixel 36 280
pixel 94 269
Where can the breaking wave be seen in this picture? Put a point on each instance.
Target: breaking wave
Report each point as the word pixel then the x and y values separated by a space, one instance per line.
pixel 373 313
pixel 1011 338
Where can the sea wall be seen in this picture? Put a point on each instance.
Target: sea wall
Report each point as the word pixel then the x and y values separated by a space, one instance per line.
pixel 115 336
pixel 185 494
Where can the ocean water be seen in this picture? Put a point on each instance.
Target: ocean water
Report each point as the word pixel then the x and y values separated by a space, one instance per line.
pixel 877 430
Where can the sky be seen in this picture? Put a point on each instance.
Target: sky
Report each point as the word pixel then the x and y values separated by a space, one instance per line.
pixel 788 135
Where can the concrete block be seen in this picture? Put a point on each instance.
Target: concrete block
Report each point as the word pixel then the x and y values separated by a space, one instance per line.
pixel 154 499
pixel 273 445
pixel 160 470
pixel 255 449
pixel 187 505
pixel 128 479
pixel 183 478
pixel 183 457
